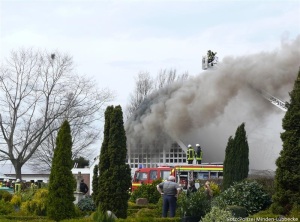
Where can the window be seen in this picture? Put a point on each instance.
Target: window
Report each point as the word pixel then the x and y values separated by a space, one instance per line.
pixel 164 174
pixel 153 174
pixel 141 176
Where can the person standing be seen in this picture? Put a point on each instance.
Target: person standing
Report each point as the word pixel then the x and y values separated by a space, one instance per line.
pixel 207 190
pixel 83 187
pixel 170 191
pixel 198 154
pixel 190 154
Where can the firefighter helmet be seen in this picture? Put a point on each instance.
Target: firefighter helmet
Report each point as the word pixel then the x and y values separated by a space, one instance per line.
pixel 197 144
pixel 189 145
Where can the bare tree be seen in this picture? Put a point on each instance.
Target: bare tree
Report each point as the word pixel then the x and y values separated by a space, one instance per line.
pixel 38 92
pixel 166 77
pixel 145 85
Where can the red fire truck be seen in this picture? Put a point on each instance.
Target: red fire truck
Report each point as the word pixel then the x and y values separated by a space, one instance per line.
pixel 182 173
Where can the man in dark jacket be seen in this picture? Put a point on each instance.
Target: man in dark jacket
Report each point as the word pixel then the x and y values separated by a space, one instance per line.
pixel 83 187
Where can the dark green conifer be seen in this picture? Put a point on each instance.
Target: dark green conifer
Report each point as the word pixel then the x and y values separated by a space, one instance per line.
pixel 62 181
pixel 236 163
pixel 103 193
pixel 287 178
pixel 115 176
pixel 121 176
pixel 95 185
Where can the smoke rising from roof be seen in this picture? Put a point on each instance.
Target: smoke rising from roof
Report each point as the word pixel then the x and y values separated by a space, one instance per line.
pixel 208 108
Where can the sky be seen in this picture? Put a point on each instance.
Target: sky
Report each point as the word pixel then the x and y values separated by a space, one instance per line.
pixel 113 41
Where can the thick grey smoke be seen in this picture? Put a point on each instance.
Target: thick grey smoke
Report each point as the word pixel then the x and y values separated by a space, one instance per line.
pixel 208 108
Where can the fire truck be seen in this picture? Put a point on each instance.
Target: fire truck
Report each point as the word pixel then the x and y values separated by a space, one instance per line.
pixel 182 173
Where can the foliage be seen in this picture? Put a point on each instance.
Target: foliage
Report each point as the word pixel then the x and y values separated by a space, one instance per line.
pixel 5 207
pixel 217 215
pixel 248 194
pixel 287 177
pixel 236 163
pixel 61 185
pixel 104 165
pixel 16 200
pixel 27 194
pixel 214 188
pixel 196 204
pixel 81 161
pixel 266 182
pixel 100 216
pixel 5 195
pixel 86 204
pixel 238 211
pixel 267 213
pixel 95 184
pixel 115 174
pixel 38 204
pixel 148 191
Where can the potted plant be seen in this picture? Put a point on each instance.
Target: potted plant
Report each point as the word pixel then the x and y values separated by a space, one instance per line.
pixel 193 207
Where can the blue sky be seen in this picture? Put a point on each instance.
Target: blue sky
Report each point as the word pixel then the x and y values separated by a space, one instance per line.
pixel 112 41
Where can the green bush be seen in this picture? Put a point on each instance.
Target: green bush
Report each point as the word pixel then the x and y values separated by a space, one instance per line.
pixel 38 204
pixel 148 191
pixel 6 207
pixel 196 204
pixel 217 215
pixel 5 195
pixel 86 204
pixel 248 194
pixel 238 211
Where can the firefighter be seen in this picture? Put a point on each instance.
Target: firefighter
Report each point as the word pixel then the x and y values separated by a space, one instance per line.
pixel 198 154
pixel 18 186
pixel 190 154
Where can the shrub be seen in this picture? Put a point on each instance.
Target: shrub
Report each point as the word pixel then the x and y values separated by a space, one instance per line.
pixel 148 191
pixel 5 195
pixel 248 194
pixel 217 215
pixel 214 187
pixel 38 204
pixel 238 211
pixel 16 200
pixel 86 204
pixel 5 207
pixel 196 204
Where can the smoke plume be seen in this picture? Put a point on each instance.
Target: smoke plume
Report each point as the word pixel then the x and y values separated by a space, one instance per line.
pixel 208 108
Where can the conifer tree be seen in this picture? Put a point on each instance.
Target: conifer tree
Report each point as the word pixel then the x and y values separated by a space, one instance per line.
pixel 228 171
pixel 104 164
pixel 62 181
pixel 121 173
pixel 236 163
pixel 115 174
pixel 95 184
pixel 287 177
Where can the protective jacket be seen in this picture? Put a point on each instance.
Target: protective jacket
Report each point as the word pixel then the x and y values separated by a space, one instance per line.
pixel 199 154
pixel 190 153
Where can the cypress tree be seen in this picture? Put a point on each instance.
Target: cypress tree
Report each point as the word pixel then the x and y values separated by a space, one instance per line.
pixel 95 185
pixel 236 163
pixel 103 196
pixel 287 176
pixel 228 166
pixel 242 153
pixel 62 181
pixel 121 173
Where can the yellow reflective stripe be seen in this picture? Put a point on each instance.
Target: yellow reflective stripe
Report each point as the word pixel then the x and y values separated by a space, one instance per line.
pixel 136 184
pixel 201 169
